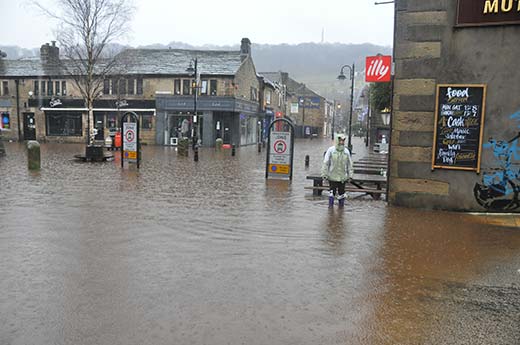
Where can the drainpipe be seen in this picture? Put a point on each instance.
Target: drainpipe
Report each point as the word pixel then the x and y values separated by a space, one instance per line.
pixel 17 82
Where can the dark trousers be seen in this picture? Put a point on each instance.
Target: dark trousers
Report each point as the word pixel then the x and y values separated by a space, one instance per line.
pixel 337 187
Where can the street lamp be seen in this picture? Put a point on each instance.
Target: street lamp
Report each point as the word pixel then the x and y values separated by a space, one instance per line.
pixel 333 120
pixel 194 86
pixel 342 76
pixel 385 116
pixel 302 102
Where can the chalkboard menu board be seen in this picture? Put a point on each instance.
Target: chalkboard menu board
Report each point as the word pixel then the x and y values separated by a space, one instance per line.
pixel 459 125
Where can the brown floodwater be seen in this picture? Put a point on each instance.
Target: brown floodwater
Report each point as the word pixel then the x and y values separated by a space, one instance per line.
pixel 209 252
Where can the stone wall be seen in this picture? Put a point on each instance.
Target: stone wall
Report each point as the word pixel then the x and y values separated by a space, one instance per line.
pixel 430 50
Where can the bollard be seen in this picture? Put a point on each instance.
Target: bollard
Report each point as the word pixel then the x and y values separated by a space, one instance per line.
pixel 307 160
pixel 196 154
pixel 259 147
pixel 183 147
pixel 233 150
pixel 218 144
pixel 33 155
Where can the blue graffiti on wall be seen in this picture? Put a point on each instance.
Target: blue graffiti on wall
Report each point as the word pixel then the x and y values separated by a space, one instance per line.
pixel 500 186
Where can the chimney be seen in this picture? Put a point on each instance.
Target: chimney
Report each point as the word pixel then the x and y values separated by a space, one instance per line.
pixel 50 54
pixel 245 48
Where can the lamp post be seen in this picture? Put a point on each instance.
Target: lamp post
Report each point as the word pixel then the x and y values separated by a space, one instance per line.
pixel 342 76
pixel 302 103
pixel 194 86
pixel 338 107
pixel 368 118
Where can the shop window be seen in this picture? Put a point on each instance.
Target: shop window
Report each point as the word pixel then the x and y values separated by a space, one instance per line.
pixel 43 84
pixel 213 87
pixel 112 121
pixel 5 121
pixel 57 88
pixel 147 121
pixel 60 123
pixel 64 88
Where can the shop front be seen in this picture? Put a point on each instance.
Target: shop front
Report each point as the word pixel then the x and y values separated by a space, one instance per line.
pixel 67 120
pixel 235 121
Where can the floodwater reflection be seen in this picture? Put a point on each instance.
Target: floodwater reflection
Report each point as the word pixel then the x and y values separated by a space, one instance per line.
pixel 209 252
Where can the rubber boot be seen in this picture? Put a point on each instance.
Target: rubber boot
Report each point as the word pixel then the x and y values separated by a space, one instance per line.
pixel 331 199
pixel 341 199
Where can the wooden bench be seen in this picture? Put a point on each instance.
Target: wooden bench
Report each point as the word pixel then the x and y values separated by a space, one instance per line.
pixel 375 193
pixel 360 183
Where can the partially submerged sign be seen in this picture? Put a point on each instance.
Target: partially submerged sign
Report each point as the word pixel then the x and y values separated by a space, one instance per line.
pixel 280 150
pixel 130 151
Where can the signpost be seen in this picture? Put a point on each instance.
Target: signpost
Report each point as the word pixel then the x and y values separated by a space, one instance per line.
pixel 130 151
pixel 280 150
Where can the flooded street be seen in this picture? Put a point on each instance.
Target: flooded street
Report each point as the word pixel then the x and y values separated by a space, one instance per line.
pixel 209 252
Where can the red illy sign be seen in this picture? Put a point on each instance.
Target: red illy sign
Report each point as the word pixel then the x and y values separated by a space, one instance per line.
pixel 378 68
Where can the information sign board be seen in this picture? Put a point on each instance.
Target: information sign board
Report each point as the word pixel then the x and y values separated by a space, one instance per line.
pixel 459 126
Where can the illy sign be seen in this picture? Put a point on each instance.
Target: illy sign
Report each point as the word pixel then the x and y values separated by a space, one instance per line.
pixel 378 68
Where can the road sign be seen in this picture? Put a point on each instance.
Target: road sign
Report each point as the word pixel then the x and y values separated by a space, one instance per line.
pixel 280 150
pixel 129 136
pixel 130 150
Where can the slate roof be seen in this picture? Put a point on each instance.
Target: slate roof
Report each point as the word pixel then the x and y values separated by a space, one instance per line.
pixel 139 61
pixel 175 61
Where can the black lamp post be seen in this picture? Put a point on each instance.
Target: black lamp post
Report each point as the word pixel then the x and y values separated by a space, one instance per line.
pixel 342 76
pixel 333 120
pixel 193 69
pixel 302 103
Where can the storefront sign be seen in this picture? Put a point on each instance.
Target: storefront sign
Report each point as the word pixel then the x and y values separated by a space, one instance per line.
pixel 459 125
pixel 488 12
pixel 378 69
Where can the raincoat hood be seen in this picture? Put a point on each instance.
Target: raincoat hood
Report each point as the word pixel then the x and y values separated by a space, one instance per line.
pixel 340 136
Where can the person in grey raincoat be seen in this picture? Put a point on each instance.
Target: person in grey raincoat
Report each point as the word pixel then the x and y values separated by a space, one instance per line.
pixel 337 168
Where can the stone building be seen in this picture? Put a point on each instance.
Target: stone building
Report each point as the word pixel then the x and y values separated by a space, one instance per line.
pixel 273 102
pixel 39 99
pixel 452 43
pixel 304 107
pixel 227 102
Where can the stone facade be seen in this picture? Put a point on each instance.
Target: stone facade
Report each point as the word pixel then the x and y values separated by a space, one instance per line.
pixel 431 50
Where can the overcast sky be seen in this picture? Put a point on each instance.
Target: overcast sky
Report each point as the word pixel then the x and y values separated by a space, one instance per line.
pixel 222 22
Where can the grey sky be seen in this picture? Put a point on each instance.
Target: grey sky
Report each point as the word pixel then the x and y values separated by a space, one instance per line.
pixel 223 22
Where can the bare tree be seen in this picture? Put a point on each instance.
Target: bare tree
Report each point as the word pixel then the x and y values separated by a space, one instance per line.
pixel 86 28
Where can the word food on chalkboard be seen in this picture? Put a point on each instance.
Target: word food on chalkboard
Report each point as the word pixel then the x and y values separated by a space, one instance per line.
pixel 459 118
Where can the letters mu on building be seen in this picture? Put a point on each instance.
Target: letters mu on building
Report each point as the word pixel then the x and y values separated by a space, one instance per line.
pixel 41 101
